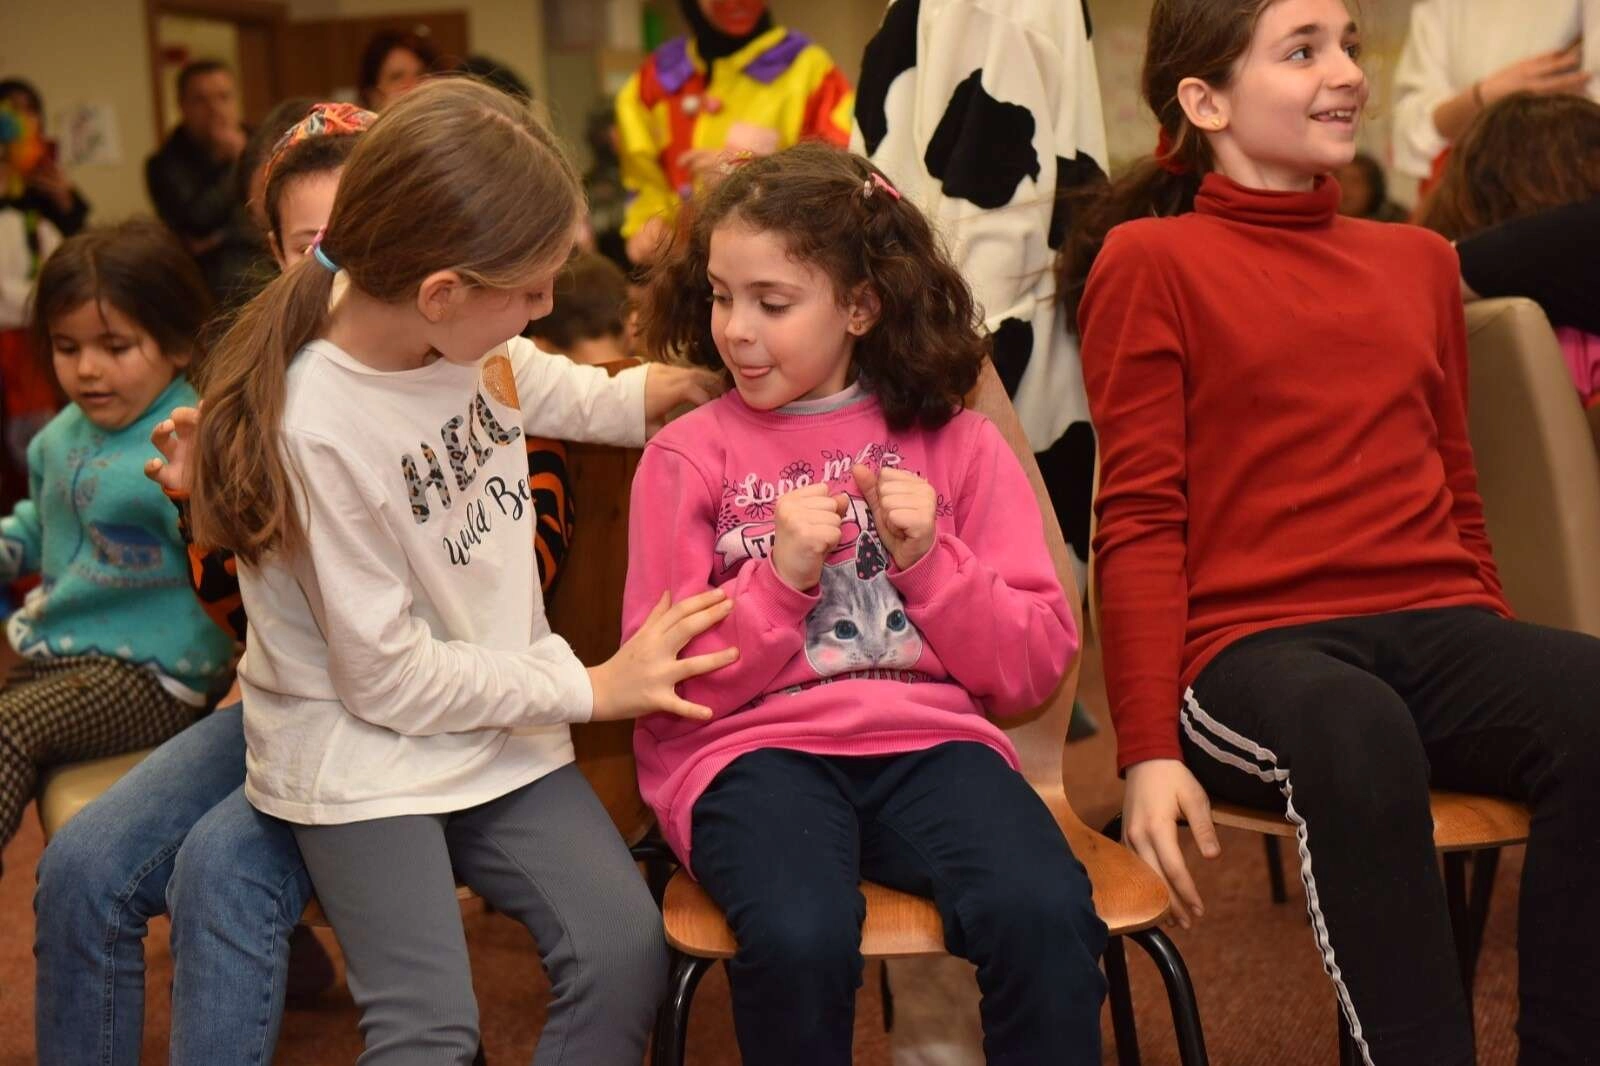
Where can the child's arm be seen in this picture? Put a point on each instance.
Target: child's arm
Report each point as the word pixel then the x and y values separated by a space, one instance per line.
pixel 1450 414
pixel 22 532
pixel 567 401
pixel 213 572
pixel 986 598
pixel 672 547
pixel 1133 369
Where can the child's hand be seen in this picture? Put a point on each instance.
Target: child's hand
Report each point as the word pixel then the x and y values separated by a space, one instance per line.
pixel 810 522
pixel 1160 792
pixel 903 506
pixel 642 677
pixel 667 388
pixel 174 438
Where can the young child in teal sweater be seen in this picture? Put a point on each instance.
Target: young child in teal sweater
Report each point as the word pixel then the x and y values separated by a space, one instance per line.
pixel 116 652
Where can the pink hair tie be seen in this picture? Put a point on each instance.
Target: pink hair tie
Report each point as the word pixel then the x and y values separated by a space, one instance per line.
pixel 880 182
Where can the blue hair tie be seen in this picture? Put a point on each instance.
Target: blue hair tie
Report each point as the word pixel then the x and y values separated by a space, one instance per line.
pixel 319 255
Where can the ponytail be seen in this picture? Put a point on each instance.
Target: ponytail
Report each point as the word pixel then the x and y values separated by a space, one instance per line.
pixel 1154 186
pixel 242 498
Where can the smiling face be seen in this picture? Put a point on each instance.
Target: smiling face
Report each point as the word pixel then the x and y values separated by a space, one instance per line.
pixel 107 365
pixel 1291 109
pixel 778 323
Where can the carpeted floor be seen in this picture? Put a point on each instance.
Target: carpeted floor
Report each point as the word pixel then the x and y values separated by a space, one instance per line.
pixel 1263 997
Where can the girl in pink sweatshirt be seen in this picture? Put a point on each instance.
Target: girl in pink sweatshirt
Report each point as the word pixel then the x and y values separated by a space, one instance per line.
pixel 891 589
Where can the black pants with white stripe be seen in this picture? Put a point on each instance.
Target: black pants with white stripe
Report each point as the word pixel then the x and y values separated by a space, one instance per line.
pixel 1344 725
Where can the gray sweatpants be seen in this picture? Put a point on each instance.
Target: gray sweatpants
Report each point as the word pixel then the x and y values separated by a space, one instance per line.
pixel 546 855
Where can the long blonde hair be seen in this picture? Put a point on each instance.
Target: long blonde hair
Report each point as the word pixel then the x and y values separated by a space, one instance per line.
pixel 454 176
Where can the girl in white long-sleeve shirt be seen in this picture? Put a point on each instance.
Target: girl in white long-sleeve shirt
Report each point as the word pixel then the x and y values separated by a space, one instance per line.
pixel 405 703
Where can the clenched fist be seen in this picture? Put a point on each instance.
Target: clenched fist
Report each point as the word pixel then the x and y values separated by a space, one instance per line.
pixel 810 521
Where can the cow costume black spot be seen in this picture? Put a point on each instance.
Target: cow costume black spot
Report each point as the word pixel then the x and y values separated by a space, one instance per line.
pixel 985 115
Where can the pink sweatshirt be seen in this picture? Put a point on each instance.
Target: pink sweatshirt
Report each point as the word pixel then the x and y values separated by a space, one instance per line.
pixel 873 661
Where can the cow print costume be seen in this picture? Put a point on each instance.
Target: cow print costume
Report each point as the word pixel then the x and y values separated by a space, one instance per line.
pixel 984 115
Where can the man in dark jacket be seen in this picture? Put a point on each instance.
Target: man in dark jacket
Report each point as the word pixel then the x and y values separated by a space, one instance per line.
pixel 190 178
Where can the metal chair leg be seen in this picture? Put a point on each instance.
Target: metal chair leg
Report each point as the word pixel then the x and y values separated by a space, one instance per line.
pixel 1275 869
pixel 1469 907
pixel 1455 892
pixel 886 995
pixel 1180 995
pixel 1120 994
pixel 659 863
pixel 672 1019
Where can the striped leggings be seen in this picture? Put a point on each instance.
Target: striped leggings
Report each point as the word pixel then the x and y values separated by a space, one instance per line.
pixel 1344 725
pixel 83 707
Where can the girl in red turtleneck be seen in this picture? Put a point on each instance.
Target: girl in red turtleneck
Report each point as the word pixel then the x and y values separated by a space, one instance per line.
pixel 1299 605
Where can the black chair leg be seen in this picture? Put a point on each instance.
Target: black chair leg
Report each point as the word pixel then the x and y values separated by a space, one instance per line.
pixel 1120 994
pixel 1469 908
pixel 886 995
pixel 659 863
pixel 1180 994
pixel 672 1020
pixel 1275 869
pixel 1455 892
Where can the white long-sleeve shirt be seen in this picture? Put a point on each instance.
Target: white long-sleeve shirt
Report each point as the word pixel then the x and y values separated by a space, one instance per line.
pixel 1454 43
pixel 402 663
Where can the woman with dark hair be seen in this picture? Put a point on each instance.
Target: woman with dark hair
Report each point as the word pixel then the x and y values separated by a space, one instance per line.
pixel 1364 191
pixel 391 66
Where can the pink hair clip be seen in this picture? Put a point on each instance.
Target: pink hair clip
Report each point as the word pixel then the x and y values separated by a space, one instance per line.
pixel 878 181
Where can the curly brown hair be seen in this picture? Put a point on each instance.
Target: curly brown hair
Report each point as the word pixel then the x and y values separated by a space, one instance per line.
pixel 925 350
pixel 1523 154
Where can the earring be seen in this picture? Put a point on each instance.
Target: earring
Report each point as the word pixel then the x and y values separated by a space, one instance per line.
pixel 1216 123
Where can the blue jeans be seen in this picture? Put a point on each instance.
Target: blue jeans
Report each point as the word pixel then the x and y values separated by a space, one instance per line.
pixel 176 834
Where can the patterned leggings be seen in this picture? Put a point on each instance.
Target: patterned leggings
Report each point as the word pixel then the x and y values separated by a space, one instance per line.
pixel 66 710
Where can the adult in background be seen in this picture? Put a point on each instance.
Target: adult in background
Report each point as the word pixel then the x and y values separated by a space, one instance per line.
pixel 1461 56
pixel 190 178
pixel 392 65
pixel 1364 191
pixel 45 188
pixel 737 83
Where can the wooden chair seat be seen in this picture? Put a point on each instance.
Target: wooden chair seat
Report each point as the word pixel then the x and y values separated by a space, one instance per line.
pixel 67 789
pixel 1128 896
pixel 1461 821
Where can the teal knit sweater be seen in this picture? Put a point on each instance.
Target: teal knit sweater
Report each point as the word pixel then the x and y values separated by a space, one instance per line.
pixel 105 540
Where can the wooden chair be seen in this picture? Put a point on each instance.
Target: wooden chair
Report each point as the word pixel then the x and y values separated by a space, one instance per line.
pixel 1127 894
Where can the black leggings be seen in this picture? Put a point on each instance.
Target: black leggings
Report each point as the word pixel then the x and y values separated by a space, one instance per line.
pixel 1344 725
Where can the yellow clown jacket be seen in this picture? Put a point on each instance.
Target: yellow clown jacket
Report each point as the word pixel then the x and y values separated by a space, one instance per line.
pixel 779 89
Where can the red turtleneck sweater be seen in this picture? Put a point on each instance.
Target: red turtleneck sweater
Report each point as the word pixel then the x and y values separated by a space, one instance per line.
pixel 1280 395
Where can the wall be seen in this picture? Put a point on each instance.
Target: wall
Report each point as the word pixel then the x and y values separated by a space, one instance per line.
pixel 103 60
pixel 511 31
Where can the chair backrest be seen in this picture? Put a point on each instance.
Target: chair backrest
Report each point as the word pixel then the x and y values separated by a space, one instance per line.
pixel 1537 468
pixel 1041 735
pixel 586 610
